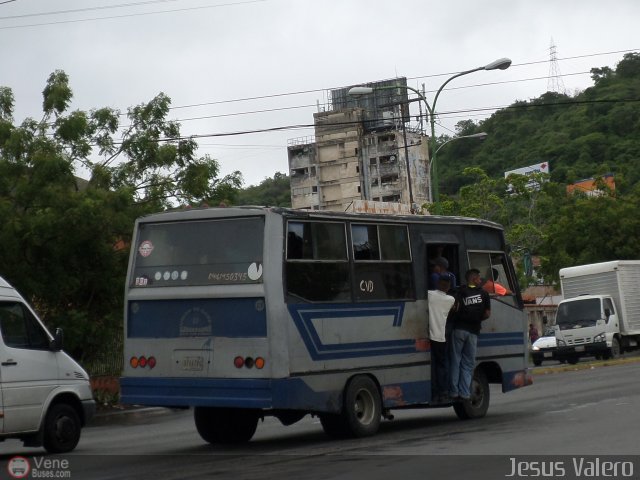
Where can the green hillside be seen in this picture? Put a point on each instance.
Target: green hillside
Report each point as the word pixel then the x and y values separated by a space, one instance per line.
pixel 594 132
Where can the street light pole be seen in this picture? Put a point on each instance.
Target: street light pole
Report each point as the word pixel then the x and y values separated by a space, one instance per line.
pixel 500 64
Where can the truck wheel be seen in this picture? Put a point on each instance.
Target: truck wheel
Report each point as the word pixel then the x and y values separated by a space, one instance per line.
pixel 573 360
pixel 225 425
pixel 362 407
pixel 537 362
pixel 478 405
pixel 61 429
pixel 615 350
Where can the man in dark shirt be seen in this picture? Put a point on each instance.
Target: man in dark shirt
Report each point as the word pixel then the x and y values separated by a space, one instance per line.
pixel 473 305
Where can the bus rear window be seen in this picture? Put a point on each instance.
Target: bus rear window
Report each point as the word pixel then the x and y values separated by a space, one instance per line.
pixel 211 252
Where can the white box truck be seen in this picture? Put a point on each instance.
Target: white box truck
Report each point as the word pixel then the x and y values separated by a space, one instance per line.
pixel 45 396
pixel 600 311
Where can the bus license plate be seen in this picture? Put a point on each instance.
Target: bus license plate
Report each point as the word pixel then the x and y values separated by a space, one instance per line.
pixel 194 364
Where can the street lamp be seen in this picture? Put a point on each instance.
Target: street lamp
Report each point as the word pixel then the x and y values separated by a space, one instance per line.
pixel 500 64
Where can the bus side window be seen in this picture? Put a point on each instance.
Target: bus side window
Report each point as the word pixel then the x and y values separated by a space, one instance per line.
pixel 382 262
pixel 494 270
pixel 317 267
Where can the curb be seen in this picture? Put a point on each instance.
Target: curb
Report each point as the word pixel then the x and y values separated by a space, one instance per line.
pixel 583 365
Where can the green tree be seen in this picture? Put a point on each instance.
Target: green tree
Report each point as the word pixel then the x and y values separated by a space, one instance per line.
pixel 65 241
pixel 274 192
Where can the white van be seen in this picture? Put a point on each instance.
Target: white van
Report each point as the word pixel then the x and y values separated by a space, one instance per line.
pixel 45 396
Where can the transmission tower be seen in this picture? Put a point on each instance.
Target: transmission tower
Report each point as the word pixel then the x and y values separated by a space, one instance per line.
pixel 555 83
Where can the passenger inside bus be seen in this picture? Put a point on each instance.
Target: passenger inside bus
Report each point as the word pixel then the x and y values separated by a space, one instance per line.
pixel 492 286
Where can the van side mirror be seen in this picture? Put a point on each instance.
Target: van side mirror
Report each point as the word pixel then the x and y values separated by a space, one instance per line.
pixel 607 313
pixel 56 344
pixel 544 319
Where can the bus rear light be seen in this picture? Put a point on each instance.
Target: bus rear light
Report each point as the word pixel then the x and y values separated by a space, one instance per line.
pixel 142 362
pixel 249 362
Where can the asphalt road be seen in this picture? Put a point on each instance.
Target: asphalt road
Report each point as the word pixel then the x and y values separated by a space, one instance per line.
pixel 576 411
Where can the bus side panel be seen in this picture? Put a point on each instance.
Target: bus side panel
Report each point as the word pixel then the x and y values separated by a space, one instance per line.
pixel 502 342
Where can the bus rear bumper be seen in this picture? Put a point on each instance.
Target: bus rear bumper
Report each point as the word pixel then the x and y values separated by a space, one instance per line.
pixel 264 394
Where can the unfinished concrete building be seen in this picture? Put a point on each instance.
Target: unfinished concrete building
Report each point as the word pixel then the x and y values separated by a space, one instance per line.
pixel 364 149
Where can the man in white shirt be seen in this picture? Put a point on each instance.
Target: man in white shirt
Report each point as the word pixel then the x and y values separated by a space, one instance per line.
pixel 439 306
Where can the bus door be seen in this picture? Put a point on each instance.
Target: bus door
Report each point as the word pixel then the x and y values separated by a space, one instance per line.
pixel 443 258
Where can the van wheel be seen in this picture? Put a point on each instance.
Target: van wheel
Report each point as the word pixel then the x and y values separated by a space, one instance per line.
pixel 225 425
pixel 477 406
pixel 61 429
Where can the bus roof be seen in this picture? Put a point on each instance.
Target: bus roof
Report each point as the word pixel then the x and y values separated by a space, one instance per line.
pixel 246 211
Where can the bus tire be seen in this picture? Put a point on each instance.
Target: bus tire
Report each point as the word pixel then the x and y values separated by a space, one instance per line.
pixel 225 425
pixel 61 429
pixel 477 406
pixel 362 410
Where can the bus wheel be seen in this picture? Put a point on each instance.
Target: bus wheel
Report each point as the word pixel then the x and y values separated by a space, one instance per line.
pixel 362 407
pixel 225 425
pixel 478 405
pixel 61 429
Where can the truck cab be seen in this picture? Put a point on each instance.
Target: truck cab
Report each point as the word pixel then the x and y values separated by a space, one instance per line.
pixel 587 325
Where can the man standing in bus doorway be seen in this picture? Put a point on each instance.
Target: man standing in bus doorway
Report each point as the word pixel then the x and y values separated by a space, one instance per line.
pixel 440 266
pixel 473 305
pixel 440 305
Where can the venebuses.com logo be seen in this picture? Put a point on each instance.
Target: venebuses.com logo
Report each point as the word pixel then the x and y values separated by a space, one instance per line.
pixel 18 467
pixel 38 467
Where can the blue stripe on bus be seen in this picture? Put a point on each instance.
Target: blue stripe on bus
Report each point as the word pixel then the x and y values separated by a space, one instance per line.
pixel 500 339
pixel 220 317
pixel 305 314
pixel 283 393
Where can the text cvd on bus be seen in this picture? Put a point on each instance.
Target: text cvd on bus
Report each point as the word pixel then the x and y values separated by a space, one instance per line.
pixel 246 312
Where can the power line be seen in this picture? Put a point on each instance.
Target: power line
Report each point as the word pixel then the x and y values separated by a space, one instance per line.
pixel 320 90
pixel 133 14
pixel 533 63
pixel 77 10
pixel 267 110
pixel 484 109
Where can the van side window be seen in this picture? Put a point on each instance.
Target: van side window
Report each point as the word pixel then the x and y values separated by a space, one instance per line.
pixel 20 329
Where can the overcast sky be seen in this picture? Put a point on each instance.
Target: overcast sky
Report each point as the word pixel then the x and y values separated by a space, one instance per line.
pixel 222 62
